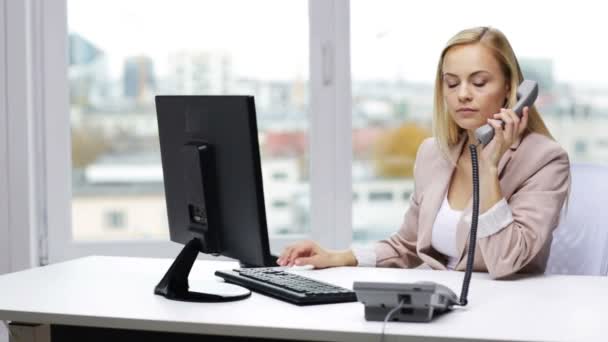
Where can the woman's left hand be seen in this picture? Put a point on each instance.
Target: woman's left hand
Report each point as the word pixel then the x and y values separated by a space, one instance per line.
pixel 514 126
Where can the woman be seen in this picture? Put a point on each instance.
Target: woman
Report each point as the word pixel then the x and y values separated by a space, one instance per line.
pixel 524 175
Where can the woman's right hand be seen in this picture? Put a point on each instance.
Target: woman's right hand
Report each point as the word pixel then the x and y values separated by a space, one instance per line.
pixel 311 253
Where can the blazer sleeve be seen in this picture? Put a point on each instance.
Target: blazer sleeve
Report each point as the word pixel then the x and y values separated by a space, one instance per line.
pixel 536 207
pixel 399 250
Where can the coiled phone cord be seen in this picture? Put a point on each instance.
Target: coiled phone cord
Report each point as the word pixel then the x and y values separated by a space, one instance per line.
pixel 473 233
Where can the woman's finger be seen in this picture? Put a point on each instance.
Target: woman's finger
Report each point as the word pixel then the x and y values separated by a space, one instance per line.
pixel 284 255
pixel 508 126
pixel 315 260
pixel 516 121
pixel 523 124
pixel 293 254
pixel 498 131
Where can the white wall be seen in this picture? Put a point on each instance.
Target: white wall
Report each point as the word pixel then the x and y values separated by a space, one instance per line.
pixel 3 334
pixel 4 234
pixel 18 238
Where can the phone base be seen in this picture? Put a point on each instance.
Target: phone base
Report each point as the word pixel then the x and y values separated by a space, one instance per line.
pixel 416 302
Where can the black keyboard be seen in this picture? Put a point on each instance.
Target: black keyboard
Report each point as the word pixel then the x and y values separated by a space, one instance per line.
pixel 290 287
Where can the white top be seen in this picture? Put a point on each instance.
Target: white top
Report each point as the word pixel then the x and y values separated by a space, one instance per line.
pixel 443 237
pixel 116 292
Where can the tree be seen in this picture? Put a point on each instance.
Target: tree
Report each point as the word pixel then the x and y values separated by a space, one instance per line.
pixel 87 145
pixel 395 151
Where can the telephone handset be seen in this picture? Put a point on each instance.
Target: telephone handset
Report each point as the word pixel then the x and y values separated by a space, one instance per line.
pixel 526 95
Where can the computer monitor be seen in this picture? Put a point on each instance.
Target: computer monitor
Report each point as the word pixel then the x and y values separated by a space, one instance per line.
pixel 213 185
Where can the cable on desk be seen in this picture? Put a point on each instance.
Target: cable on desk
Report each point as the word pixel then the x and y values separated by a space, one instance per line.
pixel 388 316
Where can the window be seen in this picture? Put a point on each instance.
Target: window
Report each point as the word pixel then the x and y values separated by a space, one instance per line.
pixel 280 204
pixel 181 47
pixel 279 176
pixel 115 219
pixel 580 146
pixel 379 196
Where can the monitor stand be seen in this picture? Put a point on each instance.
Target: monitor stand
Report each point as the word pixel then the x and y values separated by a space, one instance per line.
pixel 174 284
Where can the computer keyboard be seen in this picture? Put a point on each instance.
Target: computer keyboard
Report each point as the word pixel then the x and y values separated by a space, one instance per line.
pixel 290 287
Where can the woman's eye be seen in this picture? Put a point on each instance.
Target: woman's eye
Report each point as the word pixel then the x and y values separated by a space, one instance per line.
pixel 452 85
pixel 479 84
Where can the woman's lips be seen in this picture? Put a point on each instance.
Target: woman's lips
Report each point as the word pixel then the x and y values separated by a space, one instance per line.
pixel 467 112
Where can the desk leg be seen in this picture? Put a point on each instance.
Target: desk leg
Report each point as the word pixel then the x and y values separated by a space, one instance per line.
pixel 60 333
pixel 29 332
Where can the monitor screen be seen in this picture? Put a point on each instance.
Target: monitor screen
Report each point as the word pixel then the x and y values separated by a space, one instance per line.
pixel 212 175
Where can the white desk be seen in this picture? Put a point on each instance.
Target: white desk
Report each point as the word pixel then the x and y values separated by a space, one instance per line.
pixel 112 292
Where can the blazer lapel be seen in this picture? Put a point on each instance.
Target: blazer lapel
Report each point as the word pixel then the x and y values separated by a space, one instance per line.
pixel 507 156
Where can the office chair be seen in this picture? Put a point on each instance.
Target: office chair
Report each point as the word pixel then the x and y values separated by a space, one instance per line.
pixel 580 242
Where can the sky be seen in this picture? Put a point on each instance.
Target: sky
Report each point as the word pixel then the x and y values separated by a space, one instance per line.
pixel 389 39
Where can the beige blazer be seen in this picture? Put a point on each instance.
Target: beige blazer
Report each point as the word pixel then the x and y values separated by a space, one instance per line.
pixel 534 177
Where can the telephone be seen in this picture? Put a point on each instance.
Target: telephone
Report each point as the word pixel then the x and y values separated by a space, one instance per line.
pixel 526 95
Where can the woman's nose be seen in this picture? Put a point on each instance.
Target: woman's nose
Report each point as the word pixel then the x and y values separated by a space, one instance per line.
pixel 464 93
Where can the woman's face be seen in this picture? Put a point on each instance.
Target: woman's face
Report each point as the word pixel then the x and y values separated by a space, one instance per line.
pixel 474 87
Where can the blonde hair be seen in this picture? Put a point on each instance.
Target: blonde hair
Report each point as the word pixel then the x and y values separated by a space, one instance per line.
pixel 445 130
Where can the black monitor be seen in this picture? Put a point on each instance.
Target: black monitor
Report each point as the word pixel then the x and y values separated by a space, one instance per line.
pixel 213 185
